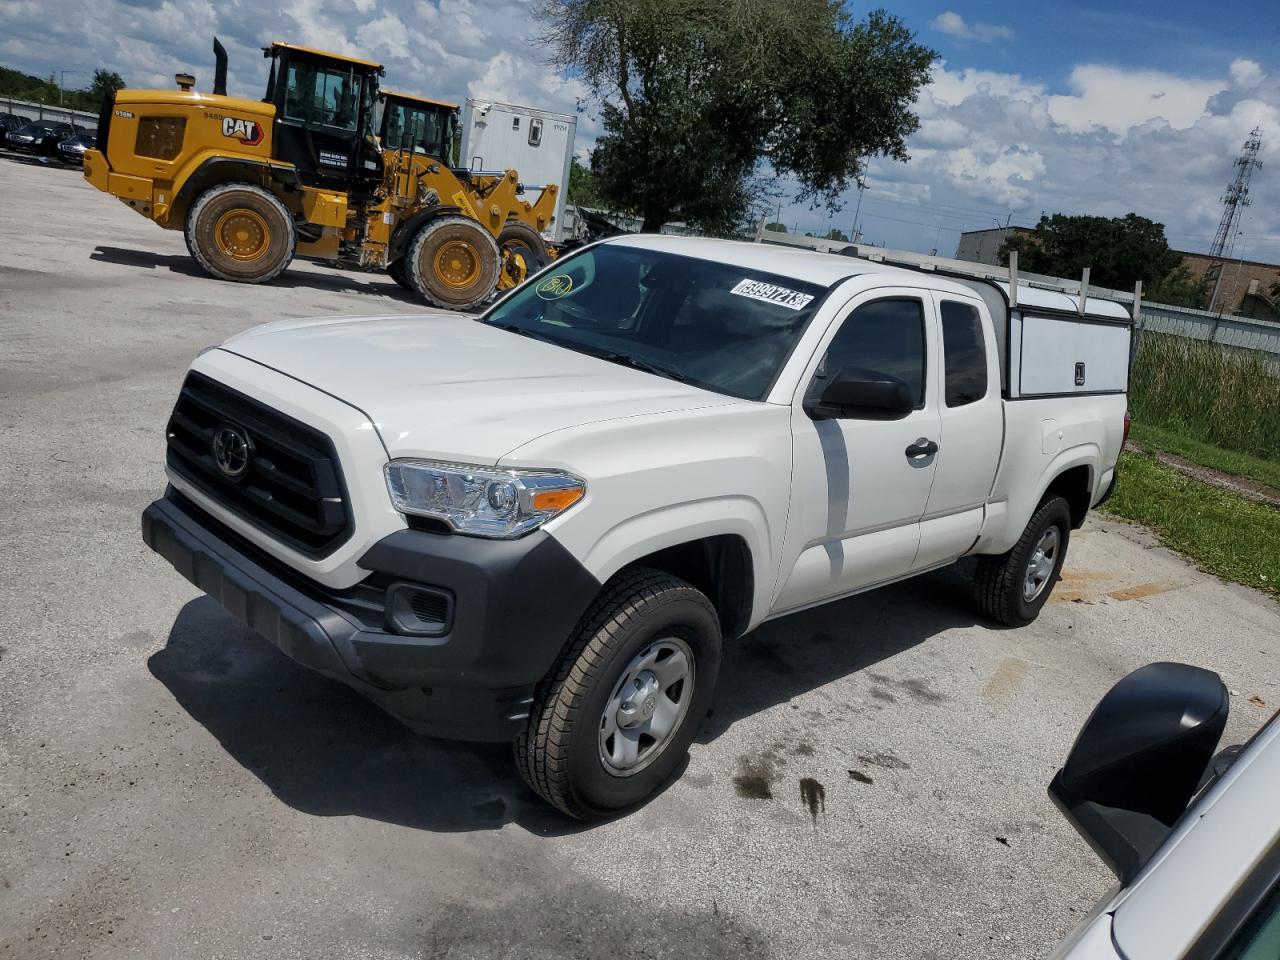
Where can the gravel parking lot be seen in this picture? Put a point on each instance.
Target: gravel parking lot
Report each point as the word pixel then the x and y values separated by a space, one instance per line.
pixel 871 783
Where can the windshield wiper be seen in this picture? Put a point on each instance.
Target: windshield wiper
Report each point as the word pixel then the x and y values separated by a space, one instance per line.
pixel 648 366
pixel 531 334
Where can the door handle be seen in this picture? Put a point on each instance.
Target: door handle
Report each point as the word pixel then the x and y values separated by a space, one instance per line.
pixel 923 447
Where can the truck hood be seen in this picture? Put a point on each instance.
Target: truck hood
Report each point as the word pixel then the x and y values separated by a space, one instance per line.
pixel 445 387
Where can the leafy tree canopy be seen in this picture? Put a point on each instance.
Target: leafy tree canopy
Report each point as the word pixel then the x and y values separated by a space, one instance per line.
pixel 699 96
pixel 776 227
pixel 582 186
pixel 1180 289
pixel 1118 250
pixel 24 86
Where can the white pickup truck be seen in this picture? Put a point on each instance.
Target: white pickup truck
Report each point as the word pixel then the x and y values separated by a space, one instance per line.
pixel 540 524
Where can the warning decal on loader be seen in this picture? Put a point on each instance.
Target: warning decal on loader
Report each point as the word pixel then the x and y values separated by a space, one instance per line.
pixel 770 293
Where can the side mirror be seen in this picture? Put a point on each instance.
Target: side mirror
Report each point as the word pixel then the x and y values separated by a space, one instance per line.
pixel 1138 761
pixel 859 394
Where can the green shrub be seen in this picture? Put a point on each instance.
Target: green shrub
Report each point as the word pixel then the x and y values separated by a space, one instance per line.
pixel 1213 393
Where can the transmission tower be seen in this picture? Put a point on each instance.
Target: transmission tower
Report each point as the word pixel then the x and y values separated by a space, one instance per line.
pixel 1237 196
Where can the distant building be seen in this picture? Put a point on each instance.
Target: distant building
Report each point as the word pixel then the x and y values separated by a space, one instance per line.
pixel 1242 287
pixel 983 246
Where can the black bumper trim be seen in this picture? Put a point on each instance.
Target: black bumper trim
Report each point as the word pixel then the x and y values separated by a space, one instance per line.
pixel 517 603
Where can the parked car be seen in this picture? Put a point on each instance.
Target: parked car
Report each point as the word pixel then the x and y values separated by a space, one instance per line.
pixel 11 121
pixel 72 149
pixel 1193 838
pixel 40 137
pixel 539 525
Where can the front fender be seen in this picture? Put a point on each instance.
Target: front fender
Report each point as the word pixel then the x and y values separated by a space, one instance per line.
pixel 647 533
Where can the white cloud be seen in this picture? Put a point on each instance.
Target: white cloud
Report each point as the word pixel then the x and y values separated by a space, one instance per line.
pixel 1246 73
pixel 1117 100
pixel 952 23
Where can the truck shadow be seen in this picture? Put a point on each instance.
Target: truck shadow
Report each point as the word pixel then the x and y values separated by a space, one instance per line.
pixel 324 750
pixel 336 280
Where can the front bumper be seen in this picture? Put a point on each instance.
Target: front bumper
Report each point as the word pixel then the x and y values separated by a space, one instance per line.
pixel 514 605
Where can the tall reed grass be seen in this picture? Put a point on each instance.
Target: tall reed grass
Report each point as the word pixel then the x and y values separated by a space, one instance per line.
pixel 1209 392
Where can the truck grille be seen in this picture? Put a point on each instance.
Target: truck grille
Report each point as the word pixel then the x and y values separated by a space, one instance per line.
pixel 280 475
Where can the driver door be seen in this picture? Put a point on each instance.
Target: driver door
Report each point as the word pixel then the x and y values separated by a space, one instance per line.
pixel 860 485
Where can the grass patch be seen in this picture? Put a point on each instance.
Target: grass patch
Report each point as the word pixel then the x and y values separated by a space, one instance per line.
pixel 1224 533
pixel 1168 440
pixel 1218 396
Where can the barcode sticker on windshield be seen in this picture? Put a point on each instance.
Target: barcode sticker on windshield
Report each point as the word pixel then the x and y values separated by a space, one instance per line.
pixel 769 293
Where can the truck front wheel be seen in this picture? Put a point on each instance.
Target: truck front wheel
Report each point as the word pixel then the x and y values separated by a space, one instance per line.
pixel 614 718
pixel 241 232
pixel 1013 587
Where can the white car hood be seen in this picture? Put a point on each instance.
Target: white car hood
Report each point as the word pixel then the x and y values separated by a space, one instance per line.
pixel 441 386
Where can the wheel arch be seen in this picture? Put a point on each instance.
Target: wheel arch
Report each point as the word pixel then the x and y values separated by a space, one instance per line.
pixel 405 230
pixel 727 557
pixel 215 170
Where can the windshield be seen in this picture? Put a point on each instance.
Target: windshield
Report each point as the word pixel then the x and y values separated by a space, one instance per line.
pixel 712 324
pixel 416 129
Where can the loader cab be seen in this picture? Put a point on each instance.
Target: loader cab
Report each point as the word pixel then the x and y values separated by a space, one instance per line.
pixel 418 125
pixel 325 116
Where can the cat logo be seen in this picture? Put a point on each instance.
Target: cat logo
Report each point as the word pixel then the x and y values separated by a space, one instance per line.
pixel 248 132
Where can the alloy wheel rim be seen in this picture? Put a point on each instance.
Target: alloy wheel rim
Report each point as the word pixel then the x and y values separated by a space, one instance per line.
pixel 647 707
pixel 1040 566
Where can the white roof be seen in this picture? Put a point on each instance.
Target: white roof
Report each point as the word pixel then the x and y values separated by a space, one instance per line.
pixel 826 269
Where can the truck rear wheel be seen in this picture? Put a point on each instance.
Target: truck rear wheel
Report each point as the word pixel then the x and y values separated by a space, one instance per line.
pixel 1013 587
pixel 454 263
pixel 241 232
pixel 521 240
pixel 614 718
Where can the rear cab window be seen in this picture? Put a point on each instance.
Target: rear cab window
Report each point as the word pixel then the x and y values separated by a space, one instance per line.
pixel 964 353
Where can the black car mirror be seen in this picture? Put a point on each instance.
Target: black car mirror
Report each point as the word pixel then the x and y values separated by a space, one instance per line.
pixel 1138 760
pixel 854 393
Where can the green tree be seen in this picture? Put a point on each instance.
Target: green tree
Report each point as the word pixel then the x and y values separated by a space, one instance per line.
pixel 834 234
pixel 1179 288
pixel 582 186
pixel 776 227
pixel 1119 250
pixel 704 103
pixel 104 82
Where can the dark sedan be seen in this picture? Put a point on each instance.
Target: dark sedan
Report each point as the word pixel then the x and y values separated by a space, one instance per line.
pixel 72 150
pixel 41 137
pixel 11 121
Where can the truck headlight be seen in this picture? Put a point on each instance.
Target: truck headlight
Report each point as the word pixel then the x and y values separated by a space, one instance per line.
pixel 481 501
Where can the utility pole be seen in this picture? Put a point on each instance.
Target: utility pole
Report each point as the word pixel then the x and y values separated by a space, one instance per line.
pixel 857 213
pixel 62 83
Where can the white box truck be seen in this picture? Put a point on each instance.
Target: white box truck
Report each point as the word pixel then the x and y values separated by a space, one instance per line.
pixel 536 143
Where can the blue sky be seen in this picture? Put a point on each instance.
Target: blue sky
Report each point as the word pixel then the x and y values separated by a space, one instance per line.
pixel 1094 108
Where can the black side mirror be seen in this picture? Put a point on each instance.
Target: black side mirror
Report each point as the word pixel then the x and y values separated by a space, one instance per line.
pixel 1138 761
pixel 862 394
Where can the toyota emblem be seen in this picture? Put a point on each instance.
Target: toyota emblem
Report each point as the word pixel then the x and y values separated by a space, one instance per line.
pixel 232 450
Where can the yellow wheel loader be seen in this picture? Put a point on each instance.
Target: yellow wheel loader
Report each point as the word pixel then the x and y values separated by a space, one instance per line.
pixel 303 172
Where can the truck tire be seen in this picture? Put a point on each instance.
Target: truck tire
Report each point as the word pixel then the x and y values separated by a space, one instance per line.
pixel 454 263
pixel 241 232
pixel 613 719
pixel 1013 587
pixel 520 239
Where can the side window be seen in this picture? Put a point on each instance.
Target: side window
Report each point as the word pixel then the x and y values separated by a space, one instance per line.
pixel 964 353
pixel 1260 939
pixel 886 336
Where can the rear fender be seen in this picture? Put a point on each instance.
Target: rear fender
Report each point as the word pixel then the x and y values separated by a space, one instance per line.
pixel 209 168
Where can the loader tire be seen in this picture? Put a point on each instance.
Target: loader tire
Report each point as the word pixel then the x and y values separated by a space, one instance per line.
pixel 454 263
pixel 1013 587
pixel 241 232
pixel 521 240
pixel 396 271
